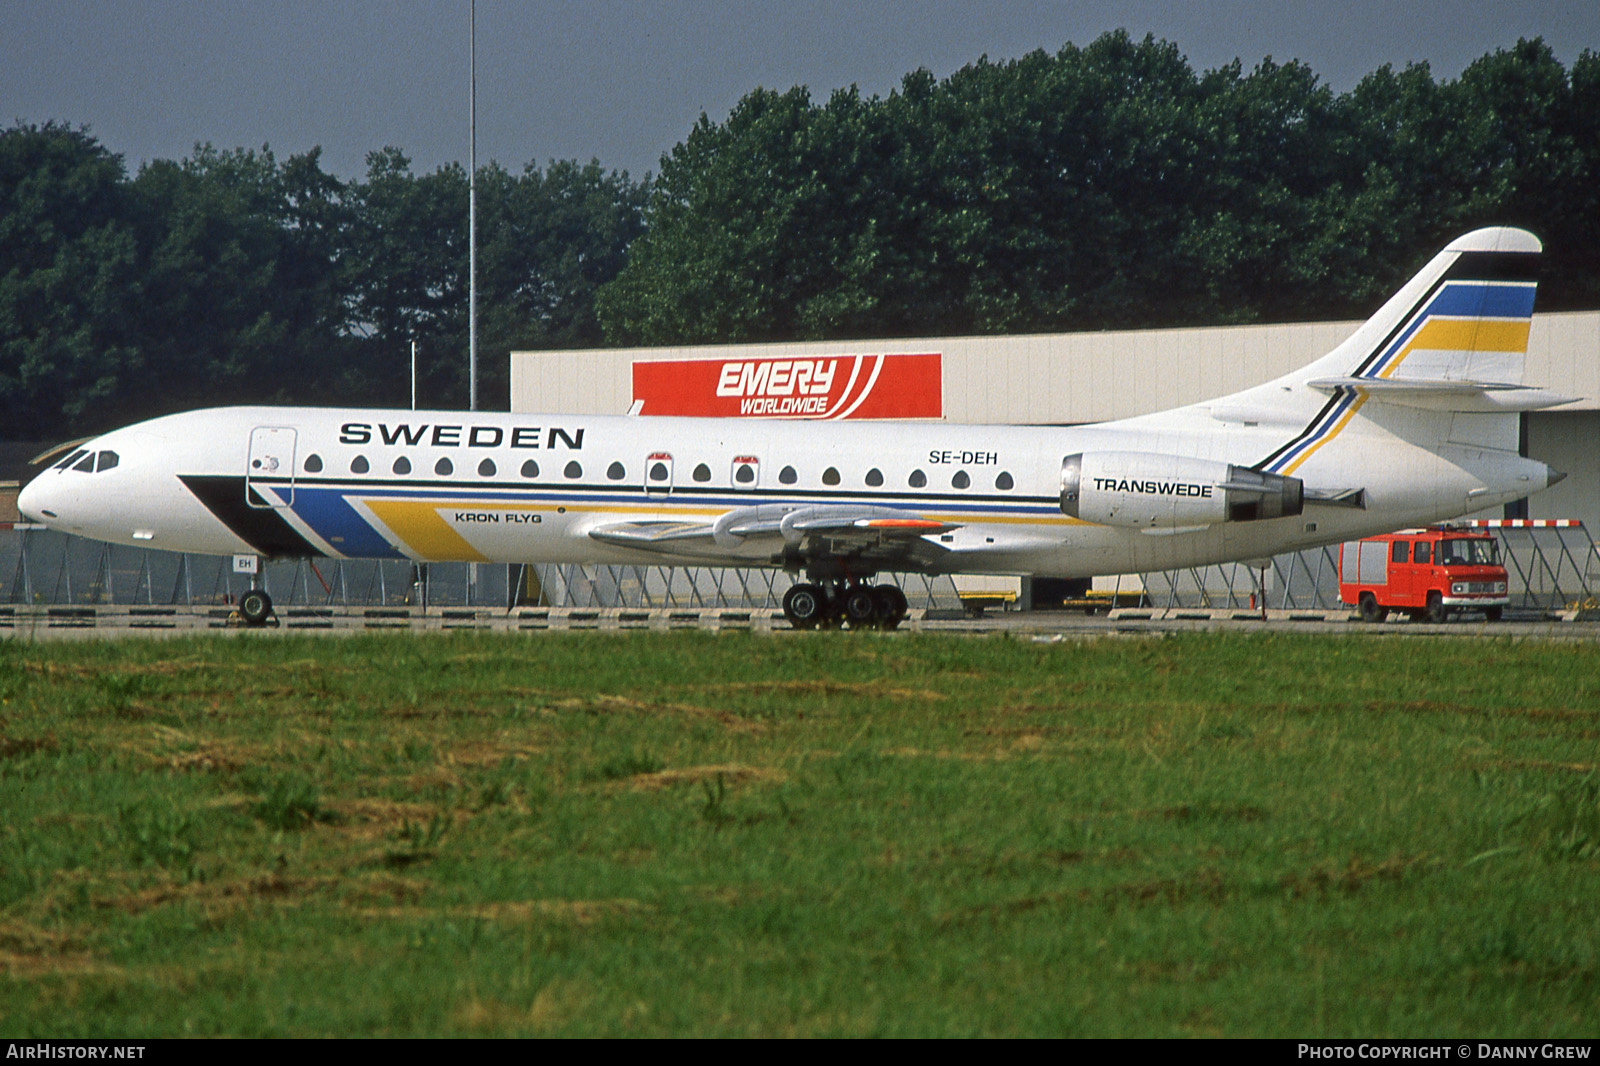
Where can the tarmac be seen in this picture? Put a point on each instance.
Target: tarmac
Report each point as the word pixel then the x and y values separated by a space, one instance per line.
pixel 119 622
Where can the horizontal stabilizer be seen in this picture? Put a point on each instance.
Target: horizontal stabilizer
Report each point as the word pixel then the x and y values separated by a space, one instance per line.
pixel 1443 394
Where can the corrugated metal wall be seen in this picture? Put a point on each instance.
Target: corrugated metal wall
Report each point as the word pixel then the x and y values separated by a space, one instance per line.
pixel 1058 377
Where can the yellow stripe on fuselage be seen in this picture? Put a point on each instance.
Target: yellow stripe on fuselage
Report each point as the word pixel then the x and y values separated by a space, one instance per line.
pixel 423 530
pixel 1332 433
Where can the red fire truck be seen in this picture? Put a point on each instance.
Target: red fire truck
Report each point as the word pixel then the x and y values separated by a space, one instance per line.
pixel 1429 573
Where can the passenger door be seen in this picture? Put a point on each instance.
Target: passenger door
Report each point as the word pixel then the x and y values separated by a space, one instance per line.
pixel 269 470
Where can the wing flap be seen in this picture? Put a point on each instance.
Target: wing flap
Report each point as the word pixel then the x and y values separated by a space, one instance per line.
pixel 752 532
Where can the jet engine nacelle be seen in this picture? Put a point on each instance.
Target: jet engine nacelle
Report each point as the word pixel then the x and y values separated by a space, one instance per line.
pixel 1145 490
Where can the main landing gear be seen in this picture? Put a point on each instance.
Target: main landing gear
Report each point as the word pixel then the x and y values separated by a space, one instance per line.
pixel 858 605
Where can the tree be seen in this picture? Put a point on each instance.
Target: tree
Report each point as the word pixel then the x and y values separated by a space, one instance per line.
pixel 69 281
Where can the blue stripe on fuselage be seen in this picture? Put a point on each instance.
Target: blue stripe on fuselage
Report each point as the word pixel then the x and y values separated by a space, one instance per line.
pixel 332 518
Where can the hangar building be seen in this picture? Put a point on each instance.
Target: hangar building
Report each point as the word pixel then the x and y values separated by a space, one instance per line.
pixel 1052 379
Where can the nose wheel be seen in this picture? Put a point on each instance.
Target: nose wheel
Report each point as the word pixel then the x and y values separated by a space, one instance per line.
pixel 255 607
pixel 859 606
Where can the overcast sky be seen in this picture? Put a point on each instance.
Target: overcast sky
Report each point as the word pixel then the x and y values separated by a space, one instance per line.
pixel 624 80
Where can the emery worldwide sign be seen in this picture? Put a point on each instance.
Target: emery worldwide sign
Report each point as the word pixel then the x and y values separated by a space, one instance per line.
pixel 823 386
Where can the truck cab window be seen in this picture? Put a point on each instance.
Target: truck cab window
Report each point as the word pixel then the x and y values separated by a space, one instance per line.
pixel 1422 552
pixel 1398 551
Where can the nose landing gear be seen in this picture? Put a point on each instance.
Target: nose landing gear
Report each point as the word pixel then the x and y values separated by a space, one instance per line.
pixel 255 607
pixel 858 605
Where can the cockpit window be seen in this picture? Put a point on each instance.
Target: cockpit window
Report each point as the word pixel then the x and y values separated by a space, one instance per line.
pixel 72 458
pixel 86 464
pixel 107 460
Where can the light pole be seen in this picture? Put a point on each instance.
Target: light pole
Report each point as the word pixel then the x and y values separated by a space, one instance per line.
pixel 472 223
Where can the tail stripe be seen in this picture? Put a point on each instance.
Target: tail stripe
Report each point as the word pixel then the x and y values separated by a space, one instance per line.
pixel 1327 420
pixel 1461 311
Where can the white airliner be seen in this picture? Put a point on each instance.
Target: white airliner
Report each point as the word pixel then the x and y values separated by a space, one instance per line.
pixel 1411 420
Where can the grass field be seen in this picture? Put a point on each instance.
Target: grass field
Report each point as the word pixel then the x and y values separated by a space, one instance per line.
pixel 830 834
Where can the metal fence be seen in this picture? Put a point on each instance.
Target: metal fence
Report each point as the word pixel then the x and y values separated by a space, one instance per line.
pixel 1551 565
pixel 42 566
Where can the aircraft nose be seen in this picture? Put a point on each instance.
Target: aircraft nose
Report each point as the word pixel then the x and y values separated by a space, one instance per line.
pixel 31 501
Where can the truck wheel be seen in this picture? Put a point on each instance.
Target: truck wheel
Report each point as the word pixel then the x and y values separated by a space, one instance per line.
pixel 1370 611
pixel 1436 611
pixel 1492 614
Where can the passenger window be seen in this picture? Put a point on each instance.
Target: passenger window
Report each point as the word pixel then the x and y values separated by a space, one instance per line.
pixel 615 472
pixel 444 468
pixel 486 468
pixel 918 479
pixel 830 476
pixel 313 463
pixel 1422 553
pixel 874 477
pixel 787 476
pixel 107 461
pixel 744 471
pixel 961 480
pixel 402 465
pixel 573 470
pixel 530 469
pixel 1398 551
pixel 702 473
pixel 658 471
pixel 1004 482
pixel 358 465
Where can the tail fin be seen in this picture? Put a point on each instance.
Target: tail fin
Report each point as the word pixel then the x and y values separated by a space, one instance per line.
pixel 1454 338
pixel 1441 362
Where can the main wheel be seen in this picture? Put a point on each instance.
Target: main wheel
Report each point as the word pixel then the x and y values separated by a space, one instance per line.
pixel 1370 611
pixel 804 606
pixel 889 606
pixel 255 606
pixel 860 607
pixel 1492 614
pixel 1436 611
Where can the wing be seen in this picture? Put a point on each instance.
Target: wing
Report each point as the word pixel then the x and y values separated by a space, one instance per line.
pixel 786 534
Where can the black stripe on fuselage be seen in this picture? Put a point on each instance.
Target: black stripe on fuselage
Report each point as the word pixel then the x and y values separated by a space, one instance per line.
pixel 1304 433
pixel 263 528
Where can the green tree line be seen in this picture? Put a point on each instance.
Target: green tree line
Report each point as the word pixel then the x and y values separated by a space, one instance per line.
pixel 233 277
pixel 1108 186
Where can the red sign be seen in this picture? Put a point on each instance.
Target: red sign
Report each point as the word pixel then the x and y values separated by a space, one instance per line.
pixel 826 386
